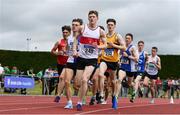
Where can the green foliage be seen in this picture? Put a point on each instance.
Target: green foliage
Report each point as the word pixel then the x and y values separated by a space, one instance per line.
pixel 170 66
pixel 42 60
pixel 26 60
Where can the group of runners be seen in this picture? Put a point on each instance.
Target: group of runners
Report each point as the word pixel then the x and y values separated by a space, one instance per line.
pixel 86 52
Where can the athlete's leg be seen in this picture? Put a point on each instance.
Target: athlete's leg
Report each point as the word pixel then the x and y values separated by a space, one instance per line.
pixel 114 80
pixel 95 86
pixel 137 83
pixel 121 76
pixel 77 79
pixel 153 88
pixel 61 86
pixel 102 69
pixel 85 77
pixel 69 75
pixel 61 83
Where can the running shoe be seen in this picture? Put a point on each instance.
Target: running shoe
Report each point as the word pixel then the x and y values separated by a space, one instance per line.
pixel 69 105
pixel 114 102
pixel 171 100
pixel 57 99
pixel 152 101
pixel 92 101
pixel 79 107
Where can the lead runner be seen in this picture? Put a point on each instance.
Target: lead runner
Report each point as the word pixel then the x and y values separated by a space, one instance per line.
pixel 88 47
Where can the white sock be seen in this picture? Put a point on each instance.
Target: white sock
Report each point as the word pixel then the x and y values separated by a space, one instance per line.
pixel 80 103
pixel 70 101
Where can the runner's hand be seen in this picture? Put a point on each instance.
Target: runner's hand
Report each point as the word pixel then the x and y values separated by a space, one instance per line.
pixel 125 54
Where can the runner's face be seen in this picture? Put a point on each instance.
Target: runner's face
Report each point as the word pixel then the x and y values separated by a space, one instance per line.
pixel 66 33
pixel 92 18
pixel 111 26
pixel 140 46
pixel 75 26
pixel 128 40
pixel 154 52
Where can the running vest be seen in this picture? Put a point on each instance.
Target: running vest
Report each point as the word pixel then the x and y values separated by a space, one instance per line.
pixel 61 59
pixel 151 69
pixel 141 62
pixel 70 49
pixel 126 63
pixel 86 41
pixel 111 54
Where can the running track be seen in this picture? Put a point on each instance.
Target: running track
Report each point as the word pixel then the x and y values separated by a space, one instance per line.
pixel 45 105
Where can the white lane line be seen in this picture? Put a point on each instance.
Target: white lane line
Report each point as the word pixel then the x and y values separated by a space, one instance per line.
pixel 26 108
pixel 131 106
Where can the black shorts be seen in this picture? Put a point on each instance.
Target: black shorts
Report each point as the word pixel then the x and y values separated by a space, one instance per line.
pixel 71 66
pixel 151 76
pixel 128 73
pixel 140 74
pixel 111 65
pixel 60 68
pixel 82 63
pixel 131 74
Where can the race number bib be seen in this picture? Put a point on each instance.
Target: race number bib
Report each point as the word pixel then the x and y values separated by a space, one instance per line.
pixel 125 61
pixel 89 49
pixel 151 67
pixel 109 52
pixel 70 48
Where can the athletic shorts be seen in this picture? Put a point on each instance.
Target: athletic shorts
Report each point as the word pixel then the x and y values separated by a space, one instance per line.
pixel 82 63
pixel 142 74
pixel 71 66
pixel 60 68
pixel 131 74
pixel 128 73
pixel 151 76
pixel 111 65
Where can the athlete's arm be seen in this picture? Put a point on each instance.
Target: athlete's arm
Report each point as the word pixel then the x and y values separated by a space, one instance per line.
pixel 134 55
pixel 146 56
pixel 75 43
pixel 53 50
pixel 121 43
pixel 103 39
pixel 158 64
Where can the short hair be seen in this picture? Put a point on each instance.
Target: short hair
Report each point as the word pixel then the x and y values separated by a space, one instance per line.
pixel 155 48
pixel 140 42
pixel 78 20
pixel 129 34
pixel 68 28
pixel 102 28
pixel 111 20
pixel 93 12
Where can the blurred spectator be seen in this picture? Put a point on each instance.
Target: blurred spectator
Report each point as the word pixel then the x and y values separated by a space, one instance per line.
pixel 158 86
pixel 14 70
pixel 7 70
pixel 1 75
pixel 1 70
pixel 30 72
pixel 165 88
pixel 39 76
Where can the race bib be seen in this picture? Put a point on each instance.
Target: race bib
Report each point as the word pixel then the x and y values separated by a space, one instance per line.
pixel 89 49
pixel 125 61
pixel 151 66
pixel 109 52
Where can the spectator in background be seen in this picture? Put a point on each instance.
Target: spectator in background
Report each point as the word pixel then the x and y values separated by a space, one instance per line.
pixel 165 88
pixel 177 87
pixel 7 70
pixel 14 70
pixel 1 74
pixel 39 75
pixel 158 86
pixel 30 72
pixel 1 70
